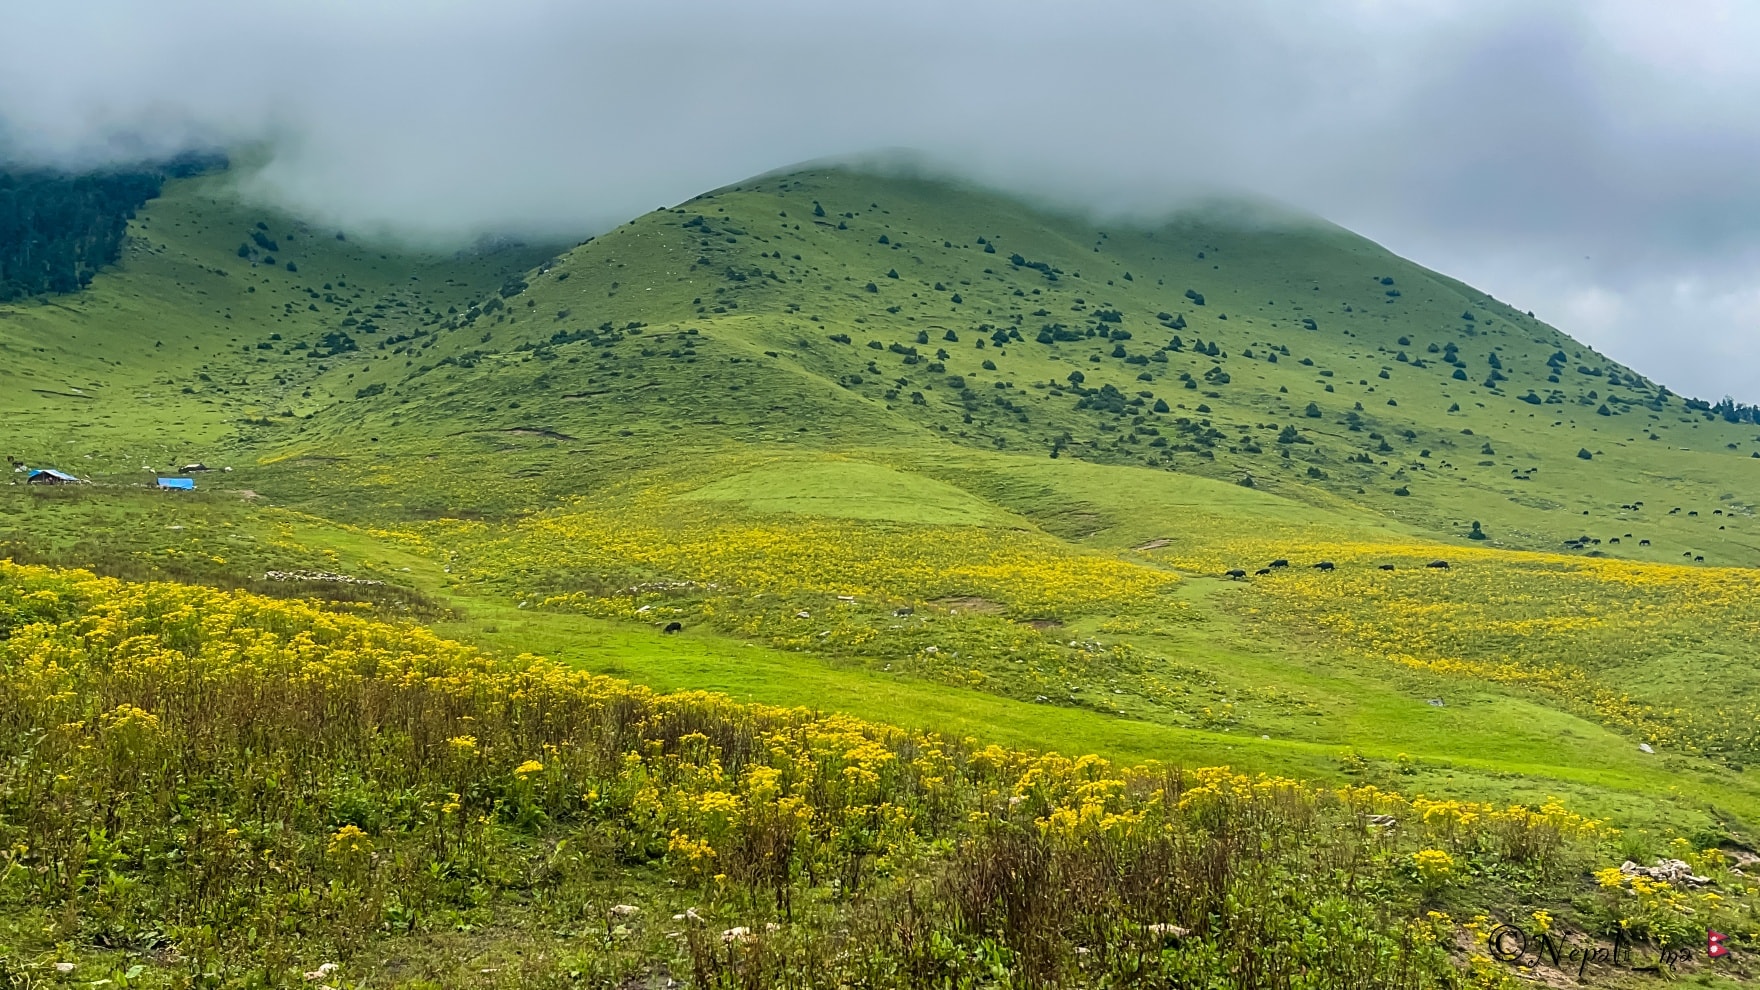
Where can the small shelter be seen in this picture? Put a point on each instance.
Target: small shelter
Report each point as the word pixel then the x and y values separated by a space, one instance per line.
pixel 178 484
pixel 192 468
pixel 50 476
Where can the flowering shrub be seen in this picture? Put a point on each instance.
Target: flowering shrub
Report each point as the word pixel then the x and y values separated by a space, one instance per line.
pixel 1434 869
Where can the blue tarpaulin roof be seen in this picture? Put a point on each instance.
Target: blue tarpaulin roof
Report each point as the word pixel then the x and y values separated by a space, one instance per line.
pixel 51 472
pixel 186 484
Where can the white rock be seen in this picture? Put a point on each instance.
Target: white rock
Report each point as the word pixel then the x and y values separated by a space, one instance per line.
pixel 64 968
pixel 1645 747
pixel 625 910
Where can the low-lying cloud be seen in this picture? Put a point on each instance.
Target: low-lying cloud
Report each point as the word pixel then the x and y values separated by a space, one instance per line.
pixel 1597 161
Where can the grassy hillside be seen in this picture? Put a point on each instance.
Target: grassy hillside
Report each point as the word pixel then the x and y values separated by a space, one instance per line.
pixel 222 325
pixel 945 461
pixel 740 301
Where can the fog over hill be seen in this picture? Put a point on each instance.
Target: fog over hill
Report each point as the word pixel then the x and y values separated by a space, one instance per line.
pixel 1593 162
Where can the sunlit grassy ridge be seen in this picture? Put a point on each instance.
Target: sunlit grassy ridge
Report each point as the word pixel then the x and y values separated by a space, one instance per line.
pixel 264 785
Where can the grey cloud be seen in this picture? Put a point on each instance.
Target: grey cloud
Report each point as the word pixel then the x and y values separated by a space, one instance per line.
pixel 1594 160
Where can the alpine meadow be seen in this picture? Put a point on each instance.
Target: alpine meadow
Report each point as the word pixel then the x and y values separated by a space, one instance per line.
pixel 849 577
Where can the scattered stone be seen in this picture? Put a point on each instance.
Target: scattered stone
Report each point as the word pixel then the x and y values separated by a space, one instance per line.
pixel 1645 747
pixel 1666 870
pixel 321 576
pixel 1741 857
pixel 1435 703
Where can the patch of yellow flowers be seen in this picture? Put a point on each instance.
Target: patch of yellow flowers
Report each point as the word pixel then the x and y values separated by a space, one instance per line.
pixel 709 778
pixel 650 535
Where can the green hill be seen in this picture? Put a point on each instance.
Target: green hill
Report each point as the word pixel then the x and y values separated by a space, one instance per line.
pixel 1339 371
pixel 1045 440
pixel 220 320
pixel 1221 343
pixel 905 450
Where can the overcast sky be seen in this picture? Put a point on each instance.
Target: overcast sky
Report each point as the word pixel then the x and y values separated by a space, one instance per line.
pixel 1597 162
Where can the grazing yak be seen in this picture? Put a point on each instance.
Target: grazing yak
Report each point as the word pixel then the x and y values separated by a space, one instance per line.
pixel 1279 563
pixel 1263 571
pixel 1237 574
pixel 1441 565
pixel 672 627
pixel 1387 567
pixel 1325 565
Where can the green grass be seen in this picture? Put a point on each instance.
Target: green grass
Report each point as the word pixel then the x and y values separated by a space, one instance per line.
pixel 852 489
pixel 1485 745
pixel 500 410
